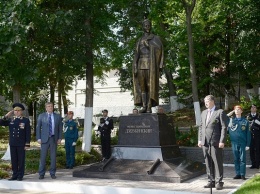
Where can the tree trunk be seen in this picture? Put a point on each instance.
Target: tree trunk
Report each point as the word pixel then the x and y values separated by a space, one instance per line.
pixel 60 88
pixel 52 93
pixel 34 117
pixel 189 9
pixel 16 93
pixel 65 103
pixel 250 90
pixel 86 144
pixel 259 91
pixel 227 59
pixel 172 91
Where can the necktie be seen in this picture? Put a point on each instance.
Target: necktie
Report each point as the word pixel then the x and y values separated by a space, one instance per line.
pixel 50 125
pixel 208 116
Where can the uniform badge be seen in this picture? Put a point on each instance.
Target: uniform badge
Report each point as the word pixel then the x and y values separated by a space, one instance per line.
pixel 249 118
pixel 21 125
pixel 233 127
pixel 243 127
pixel 71 128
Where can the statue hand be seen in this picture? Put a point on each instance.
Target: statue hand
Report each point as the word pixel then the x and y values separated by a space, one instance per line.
pixel 146 43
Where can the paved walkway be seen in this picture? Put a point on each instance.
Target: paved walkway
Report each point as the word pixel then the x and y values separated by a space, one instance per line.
pixel 65 183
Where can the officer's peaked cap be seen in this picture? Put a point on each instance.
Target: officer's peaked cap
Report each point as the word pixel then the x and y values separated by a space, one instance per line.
pixel 18 106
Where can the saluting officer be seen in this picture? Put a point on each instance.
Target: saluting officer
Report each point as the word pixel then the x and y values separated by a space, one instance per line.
pixel 238 129
pixel 19 139
pixel 105 127
pixel 71 136
pixel 254 121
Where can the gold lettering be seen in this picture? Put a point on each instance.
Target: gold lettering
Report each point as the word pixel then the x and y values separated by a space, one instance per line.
pixel 133 130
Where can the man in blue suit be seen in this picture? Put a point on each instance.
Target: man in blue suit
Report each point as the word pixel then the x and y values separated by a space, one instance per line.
pixel 48 134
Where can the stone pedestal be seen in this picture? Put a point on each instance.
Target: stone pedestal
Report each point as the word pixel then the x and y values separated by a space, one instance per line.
pixel 146 151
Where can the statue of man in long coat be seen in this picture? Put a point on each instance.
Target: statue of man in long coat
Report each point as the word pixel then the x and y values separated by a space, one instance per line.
pixel 148 61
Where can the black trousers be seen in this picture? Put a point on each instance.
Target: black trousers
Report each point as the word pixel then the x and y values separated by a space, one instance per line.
pixel 105 145
pixel 17 161
pixel 255 148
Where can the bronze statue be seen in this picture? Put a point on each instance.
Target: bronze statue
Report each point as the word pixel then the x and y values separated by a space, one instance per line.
pixel 148 61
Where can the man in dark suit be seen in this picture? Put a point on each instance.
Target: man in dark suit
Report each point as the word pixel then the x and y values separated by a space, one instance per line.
pixel 211 137
pixel 48 134
pixel 105 127
pixel 19 139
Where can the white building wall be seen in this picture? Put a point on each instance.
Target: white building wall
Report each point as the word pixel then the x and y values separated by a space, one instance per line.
pixel 106 96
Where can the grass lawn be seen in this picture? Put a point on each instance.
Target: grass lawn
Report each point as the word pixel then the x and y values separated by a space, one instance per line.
pixel 251 186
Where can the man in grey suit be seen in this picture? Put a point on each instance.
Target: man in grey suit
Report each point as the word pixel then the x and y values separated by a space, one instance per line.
pixel 48 134
pixel 211 137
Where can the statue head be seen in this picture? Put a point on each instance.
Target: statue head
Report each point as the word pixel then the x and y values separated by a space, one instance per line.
pixel 147 25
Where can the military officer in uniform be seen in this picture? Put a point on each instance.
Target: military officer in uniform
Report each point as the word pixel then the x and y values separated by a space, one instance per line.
pixel 238 129
pixel 19 139
pixel 254 121
pixel 71 136
pixel 105 127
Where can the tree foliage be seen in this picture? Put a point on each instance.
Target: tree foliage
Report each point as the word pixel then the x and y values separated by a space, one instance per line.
pixel 44 43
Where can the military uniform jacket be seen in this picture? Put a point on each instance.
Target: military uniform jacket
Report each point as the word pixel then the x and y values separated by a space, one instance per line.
pixel 254 122
pixel 238 130
pixel 19 131
pixel 71 130
pixel 107 126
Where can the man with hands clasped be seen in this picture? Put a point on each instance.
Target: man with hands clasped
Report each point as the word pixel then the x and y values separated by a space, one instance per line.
pixel 48 134
pixel 238 129
pixel 211 137
pixel 71 136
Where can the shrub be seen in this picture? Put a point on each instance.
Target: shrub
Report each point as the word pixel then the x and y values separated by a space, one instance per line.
pixel 95 138
pixel 190 138
pixel 33 158
pixel 187 138
pixel 4 174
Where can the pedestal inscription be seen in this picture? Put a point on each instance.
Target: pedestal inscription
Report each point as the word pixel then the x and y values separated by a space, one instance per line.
pixel 146 130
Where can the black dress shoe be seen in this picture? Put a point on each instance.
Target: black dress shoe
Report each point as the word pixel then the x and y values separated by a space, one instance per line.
pixel 210 185
pixel 237 177
pixel 19 178
pixel 41 177
pixel 243 177
pixel 12 178
pixel 252 167
pixel 53 176
pixel 219 186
